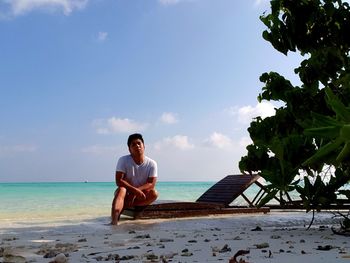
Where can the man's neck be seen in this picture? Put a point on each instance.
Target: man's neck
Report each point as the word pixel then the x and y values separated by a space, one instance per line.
pixel 139 159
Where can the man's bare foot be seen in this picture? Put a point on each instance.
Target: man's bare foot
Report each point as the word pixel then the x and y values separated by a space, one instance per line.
pixel 115 219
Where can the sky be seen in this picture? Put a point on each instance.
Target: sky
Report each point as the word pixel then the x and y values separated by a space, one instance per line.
pixel 78 76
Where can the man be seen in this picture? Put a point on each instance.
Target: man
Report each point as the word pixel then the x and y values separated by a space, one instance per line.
pixel 135 176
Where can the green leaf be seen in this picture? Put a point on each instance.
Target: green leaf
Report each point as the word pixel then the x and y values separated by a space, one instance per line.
pixel 323 151
pixel 337 106
pixel 345 132
pixel 268 197
pixel 323 121
pixel 328 132
pixel 344 152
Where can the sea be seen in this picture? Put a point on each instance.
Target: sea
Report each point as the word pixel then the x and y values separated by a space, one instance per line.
pixel 54 201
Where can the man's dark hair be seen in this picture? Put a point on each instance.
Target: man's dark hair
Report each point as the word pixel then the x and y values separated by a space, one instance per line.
pixel 134 136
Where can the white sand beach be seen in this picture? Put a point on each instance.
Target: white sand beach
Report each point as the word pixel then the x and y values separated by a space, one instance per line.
pixel 273 237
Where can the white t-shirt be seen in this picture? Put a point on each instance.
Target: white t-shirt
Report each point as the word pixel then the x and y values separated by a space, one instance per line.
pixel 135 174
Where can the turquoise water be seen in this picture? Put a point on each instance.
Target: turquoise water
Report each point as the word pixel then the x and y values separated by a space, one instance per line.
pixel 51 201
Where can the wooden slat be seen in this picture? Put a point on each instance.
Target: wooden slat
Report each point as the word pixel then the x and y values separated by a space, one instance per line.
pixel 228 189
pixel 147 214
pixel 173 205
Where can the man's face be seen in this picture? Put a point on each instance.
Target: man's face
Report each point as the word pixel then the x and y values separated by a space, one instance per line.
pixel 137 147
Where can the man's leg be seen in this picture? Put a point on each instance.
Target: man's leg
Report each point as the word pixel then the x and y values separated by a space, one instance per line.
pixel 117 205
pixel 151 196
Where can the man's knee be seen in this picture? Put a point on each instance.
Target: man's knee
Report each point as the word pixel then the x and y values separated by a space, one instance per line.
pixel 120 193
pixel 153 194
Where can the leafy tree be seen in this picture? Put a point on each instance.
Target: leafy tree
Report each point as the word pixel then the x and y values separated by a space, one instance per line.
pixel 311 129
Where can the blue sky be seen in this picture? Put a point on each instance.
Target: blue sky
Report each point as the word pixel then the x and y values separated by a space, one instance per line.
pixel 78 76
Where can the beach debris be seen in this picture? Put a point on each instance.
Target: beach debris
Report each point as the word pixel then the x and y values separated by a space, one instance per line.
pixel 151 256
pixel 143 236
pixel 262 245
pixel 257 228
pixel 237 238
pixel 166 240
pixel 98 258
pixel 342 251
pixel 82 240
pixel 134 247
pixel 108 258
pixel 9 255
pixel 60 258
pixel 192 241
pixel 170 255
pixel 325 248
pixel 50 254
pixel 9 238
pixel 275 237
pixel 239 253
pixel 9 258
pixel 341 231
pixel 127 257
pixel 290 242
pixel 224 249
pixel 186 253
pixel 206 240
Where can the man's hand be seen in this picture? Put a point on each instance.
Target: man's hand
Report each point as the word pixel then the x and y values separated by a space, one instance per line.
pixel 140 195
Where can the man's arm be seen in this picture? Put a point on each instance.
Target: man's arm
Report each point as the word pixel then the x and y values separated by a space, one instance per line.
pixel 119 179
pixel 151 183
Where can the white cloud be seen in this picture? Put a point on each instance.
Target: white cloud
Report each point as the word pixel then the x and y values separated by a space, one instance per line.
pixel 102 36
pixel 178 141
pixel 169 118
pixel 219 140
pixel 20 7
pixel 246 114
pixel 117 125
pixel 19 148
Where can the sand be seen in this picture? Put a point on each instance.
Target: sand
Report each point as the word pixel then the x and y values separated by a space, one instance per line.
pixel 273 237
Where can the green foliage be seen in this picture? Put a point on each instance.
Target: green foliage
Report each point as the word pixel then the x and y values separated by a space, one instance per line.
pixel 316 195
pixel 336 128
pixel 318 30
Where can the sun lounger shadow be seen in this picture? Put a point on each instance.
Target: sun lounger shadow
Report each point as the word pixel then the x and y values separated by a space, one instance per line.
pixel 216 200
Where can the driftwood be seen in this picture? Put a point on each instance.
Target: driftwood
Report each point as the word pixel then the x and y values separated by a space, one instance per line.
pixel 239 253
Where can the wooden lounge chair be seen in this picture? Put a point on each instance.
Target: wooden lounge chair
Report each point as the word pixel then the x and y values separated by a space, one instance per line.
pixel 216 200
